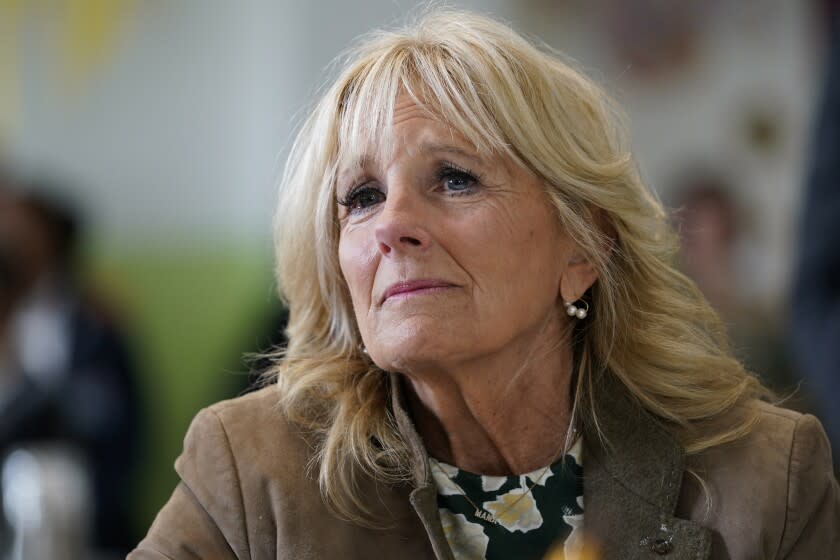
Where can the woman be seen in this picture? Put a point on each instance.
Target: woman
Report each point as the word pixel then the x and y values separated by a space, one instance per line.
pixel 490 355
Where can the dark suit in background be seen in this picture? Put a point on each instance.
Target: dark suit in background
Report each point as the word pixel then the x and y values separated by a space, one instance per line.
pixel 815 309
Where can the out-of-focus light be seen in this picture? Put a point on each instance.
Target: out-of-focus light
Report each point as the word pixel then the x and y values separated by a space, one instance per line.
pixel 22 490
pixel 78 38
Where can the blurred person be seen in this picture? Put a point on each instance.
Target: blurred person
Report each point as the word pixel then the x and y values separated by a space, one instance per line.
pixel 66 377
pixel 710 223
pixel 489 351
pixel 815 302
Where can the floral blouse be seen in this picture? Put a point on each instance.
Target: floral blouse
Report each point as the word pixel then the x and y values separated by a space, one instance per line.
pixel 513 522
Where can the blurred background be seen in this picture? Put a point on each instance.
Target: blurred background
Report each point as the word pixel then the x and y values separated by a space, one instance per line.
pixel 140 143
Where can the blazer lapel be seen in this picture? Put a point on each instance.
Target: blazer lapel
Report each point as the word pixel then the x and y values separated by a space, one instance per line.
pixel 632 484
pixel 424 496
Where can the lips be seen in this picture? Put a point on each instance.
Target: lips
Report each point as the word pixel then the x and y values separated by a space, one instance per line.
pixel 412 286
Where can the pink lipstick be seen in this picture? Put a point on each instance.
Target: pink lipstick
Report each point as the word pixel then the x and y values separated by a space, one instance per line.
pixel 414 287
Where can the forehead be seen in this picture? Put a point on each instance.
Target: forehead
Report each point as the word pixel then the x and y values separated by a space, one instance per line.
pixel 413 128
pixel 406 108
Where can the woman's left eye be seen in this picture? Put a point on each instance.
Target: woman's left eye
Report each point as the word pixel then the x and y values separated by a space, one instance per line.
pixel 457 180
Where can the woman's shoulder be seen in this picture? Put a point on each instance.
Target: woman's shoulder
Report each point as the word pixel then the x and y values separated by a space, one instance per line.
pixel 261 405
pixel 244 444
pixel 251 427
pixel 782 438
pixel 768 488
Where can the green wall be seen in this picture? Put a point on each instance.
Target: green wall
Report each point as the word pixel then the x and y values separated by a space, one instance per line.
pixel 190 316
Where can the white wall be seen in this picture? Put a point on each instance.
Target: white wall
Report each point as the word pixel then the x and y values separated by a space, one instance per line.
pixel 178 137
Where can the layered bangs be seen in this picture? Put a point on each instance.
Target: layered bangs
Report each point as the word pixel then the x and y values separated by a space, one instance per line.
pixel 448 88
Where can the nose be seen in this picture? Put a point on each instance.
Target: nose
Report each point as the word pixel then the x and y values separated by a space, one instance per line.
pixel 400 227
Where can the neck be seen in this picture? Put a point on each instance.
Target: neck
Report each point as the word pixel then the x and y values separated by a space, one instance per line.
pixel 506 413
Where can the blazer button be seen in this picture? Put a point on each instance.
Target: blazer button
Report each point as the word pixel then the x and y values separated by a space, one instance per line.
pixel 661 543
pixel 661 546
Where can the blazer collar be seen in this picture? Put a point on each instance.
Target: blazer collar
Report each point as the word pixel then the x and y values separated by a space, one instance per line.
pixel 631 483
pixel 423 497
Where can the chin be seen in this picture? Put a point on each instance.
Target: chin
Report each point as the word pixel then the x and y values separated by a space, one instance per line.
pixel 403 350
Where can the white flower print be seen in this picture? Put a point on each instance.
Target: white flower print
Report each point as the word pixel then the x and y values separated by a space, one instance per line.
pixel 539 476
pixel 442 475
pixel 492 483
pixel 573 547
pixel 450 471
pixel 516 510
pixel 467 540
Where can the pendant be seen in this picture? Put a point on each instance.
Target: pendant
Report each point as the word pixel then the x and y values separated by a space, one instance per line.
pixel 485 516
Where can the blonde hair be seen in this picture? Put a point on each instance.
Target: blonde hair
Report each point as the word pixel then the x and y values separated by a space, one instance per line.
pixel 651 329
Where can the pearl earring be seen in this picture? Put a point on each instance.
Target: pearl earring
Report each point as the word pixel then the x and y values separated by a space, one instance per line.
pixel 573 310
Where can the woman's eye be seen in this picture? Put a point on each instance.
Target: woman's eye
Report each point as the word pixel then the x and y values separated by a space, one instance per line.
pixel 455 180
pixel 362 198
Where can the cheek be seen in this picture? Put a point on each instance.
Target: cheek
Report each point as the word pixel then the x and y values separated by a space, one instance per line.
pixel 357 259
pixel 522 249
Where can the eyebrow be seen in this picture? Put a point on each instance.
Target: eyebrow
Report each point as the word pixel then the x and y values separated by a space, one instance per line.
pixel 425 148
pixel 432 148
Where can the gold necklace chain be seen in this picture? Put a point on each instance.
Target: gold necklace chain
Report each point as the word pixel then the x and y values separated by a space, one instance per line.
pixel 485 515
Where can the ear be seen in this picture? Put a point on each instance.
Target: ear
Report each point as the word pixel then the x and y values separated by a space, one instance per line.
pixel 578 277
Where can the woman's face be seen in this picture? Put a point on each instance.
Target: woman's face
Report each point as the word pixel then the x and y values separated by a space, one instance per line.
pixel 449 256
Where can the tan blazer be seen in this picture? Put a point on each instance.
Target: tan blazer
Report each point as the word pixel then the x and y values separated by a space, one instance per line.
pixel 244 493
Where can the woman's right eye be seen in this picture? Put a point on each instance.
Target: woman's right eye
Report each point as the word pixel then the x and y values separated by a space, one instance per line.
pixel 362 198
